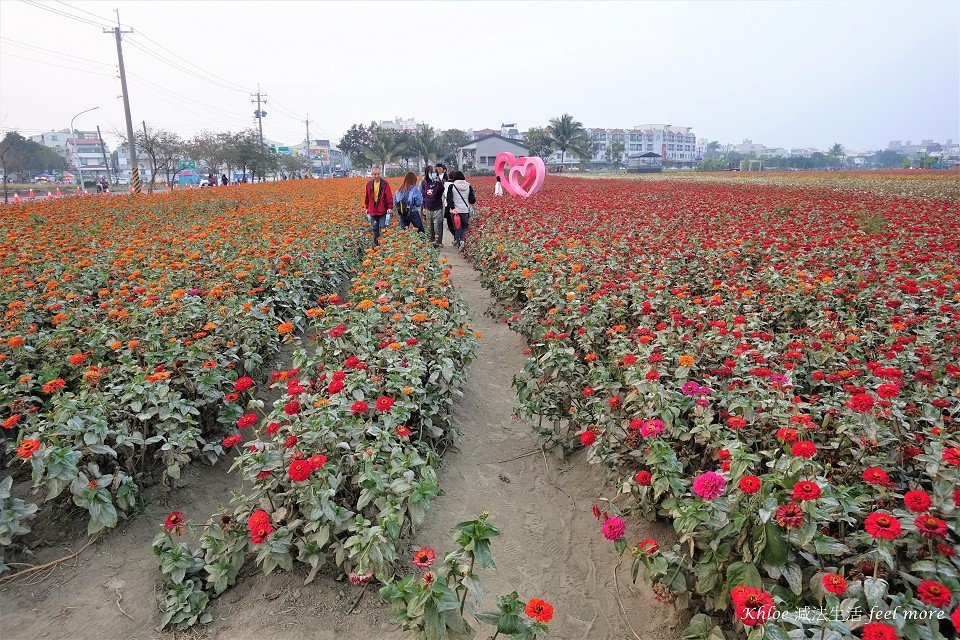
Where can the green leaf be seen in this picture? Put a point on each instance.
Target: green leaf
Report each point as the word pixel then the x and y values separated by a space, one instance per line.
pixel 775 551
pixel 776 632
pixel 743 573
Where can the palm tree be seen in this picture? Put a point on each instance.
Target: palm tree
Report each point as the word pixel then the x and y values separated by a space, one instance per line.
pixel 383 146
pixel 567 133
pixel 426 144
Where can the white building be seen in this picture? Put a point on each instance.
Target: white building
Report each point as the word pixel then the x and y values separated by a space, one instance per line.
pixel 675 145
pixel 400 124
pixel 54 139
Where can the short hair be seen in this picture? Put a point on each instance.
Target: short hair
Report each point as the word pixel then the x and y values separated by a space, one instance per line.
pixel 457 175
pixel 426 171
pixel 440 164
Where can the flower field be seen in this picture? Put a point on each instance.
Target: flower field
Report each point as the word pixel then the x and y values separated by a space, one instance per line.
pixel 125 329
pixel 771 365
pixel 344 462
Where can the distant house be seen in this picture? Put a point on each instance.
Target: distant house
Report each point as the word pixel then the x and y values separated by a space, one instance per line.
pixel 648 162
pixel 482 152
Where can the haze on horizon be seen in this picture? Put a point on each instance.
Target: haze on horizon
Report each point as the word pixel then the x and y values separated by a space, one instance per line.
pixel 790 74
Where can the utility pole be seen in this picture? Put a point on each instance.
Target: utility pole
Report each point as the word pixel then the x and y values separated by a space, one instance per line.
pixel 103 150
pixel 134 168
pixel 146 144
pixel 259 114
pixel 309 159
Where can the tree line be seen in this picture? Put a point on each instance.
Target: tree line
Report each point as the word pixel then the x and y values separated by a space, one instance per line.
pixel 376 145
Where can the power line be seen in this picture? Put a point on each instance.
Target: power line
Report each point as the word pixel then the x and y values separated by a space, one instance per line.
pixel 62 13
pixel 161 97
pixel 106 20
pixel 185 97
pixel 60 54
pixel 180 67
pixel 54 64
pixel 240 87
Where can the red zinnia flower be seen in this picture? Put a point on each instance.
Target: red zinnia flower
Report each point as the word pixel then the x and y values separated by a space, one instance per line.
pixel 804 449
pixel 934 594
pixel 834 583
pixel 751 606
pixel 878 631
pixel 952 456
pixel 877 476
pixel 750 484
pixel 540 610
pixel 242 384
pixel 258 524
pixel 931 526
pixel 787 434
pixel 292 408
pixel 11 421
pixel 649 546
pixel 790 516
pixel 861 402
pixel 888 391
pixel 317 461
pixel 806 490
pixel 917 500
pixel 424 557
pixel 359 407
pixel 273 427
pixel 173 521
pixel 402 431
pixel 247 420
pixel 882 525
pixel 229 441
pixel 643 478
pixel 27 448
pixel 384 403
pixel 299 470
pixel 588 437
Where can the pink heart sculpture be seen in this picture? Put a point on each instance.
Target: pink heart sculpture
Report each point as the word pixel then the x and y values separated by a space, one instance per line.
pixel 520 176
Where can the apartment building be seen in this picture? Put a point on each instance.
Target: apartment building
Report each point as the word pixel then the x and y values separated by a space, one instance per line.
pixel 677 146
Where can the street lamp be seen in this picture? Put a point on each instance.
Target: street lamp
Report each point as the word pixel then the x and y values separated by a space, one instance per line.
pixel 74 134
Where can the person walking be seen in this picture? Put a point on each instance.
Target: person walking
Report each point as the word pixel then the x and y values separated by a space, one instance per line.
pixel 431 190
pixel 459 198
pixel 378 202
pixel 498 188
pixel 408 202
pixel 223 179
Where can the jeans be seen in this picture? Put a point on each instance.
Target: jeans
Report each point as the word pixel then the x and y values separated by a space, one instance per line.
pixel 436 225
pixel 377 224
pixel 461 233
pixel 414 220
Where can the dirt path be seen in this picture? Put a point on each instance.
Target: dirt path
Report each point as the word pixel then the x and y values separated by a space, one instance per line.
pixel 551 545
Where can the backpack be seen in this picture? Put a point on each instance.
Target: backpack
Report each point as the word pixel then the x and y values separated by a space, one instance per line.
pixel 403 207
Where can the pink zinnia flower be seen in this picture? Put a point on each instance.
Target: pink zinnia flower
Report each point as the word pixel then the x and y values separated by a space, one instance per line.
pixel 613 528
pixel 709 485
pixel 652 428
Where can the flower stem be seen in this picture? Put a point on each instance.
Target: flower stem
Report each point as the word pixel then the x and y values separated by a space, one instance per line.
pixel 463 599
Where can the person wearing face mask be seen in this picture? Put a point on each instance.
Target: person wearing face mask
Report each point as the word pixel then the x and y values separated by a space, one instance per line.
pixel 431 188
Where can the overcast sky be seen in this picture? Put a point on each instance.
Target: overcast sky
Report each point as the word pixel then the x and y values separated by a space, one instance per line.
pixel 783 74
